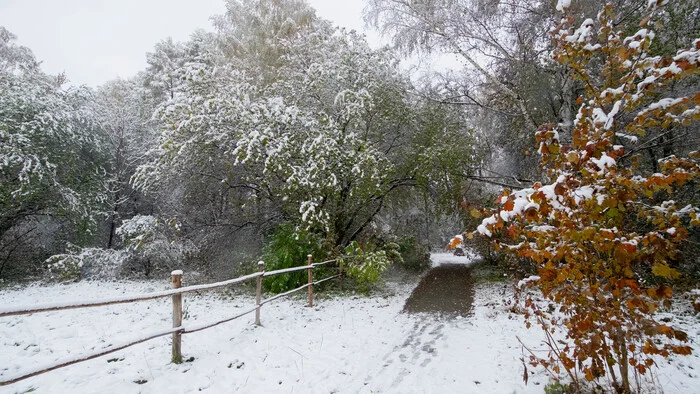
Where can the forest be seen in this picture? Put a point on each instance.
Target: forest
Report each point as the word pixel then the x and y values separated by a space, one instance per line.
pixel 564 149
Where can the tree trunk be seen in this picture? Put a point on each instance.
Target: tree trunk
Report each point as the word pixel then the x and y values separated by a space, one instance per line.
pixel 624 364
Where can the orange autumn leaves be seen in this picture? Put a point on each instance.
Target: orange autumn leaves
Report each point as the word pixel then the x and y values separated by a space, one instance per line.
pixel 604 233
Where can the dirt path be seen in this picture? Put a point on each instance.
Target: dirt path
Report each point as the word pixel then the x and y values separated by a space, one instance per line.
pixel 446 294
pixel 446 290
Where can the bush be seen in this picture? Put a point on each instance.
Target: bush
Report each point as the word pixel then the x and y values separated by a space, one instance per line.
pixel 606 233
pixel 558 388
pixel 415 256
pixel 366 267
pixel 289 247
pixel 86 263
pixel 152 246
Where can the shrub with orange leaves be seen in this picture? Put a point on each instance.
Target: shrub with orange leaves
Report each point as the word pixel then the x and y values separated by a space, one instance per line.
pixel 603 234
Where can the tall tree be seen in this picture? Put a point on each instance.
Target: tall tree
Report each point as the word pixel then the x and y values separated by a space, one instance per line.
pixel 124 113
pixel 322 140
pixel 51 167
pixel 605 233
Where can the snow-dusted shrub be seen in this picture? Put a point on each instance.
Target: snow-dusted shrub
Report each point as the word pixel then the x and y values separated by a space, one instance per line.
pixel 604 232
pixel 86 263
pixel 415 255
pixel 150 247
pixel 366 267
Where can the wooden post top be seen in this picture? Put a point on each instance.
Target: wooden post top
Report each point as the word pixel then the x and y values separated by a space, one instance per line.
pixel 176 278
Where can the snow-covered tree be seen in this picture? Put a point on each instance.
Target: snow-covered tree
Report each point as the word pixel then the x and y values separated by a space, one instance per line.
pixel 486 37
pixel 50 152
pixel 605 232
pixel 323 143
pixel 251 32
pixel 124 113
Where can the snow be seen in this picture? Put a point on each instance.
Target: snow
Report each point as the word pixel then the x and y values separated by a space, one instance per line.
pixel 543 229
pixel 651 4
pixel 438 259
pixel 582 33
pixel 583 193
pixel 483 227
pixel 353 344
pixel 662 104
pixel 603 162
pixel 632 138
pixel 599 116
pixel 562 5
pixel 523 282
pixel 91 300
pixel 611 115
pixel 346 345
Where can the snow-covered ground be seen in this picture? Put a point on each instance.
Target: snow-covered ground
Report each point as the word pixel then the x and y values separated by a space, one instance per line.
pixel 438 259
pixel 341 345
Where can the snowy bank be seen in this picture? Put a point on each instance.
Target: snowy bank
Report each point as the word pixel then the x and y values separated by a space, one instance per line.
pixel 354 344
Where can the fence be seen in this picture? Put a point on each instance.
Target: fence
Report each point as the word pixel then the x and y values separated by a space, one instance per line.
pixel 178 329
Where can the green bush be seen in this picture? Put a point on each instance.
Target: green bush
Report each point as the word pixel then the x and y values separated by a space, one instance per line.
pixel 415 255
pixel 566 388
pixel 366 267
pixel 288 247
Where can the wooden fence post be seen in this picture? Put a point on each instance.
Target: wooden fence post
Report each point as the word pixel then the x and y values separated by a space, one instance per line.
pixel 177 317
pixel 258 292
pixel 311 282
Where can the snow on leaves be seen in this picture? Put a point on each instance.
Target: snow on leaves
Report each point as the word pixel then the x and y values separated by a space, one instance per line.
pixel 47 138
pixel 598 263
pixel 294 150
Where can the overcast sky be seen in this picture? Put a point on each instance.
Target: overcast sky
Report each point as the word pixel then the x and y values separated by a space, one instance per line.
pixel 94 41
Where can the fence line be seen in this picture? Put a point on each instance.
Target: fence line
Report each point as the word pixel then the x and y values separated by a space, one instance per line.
pixel 178 328
pixel 210 325
pixel 302 287
pixel 87 356
pixel 57 306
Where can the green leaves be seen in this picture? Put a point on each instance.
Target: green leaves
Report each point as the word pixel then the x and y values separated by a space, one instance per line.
pixel 367 267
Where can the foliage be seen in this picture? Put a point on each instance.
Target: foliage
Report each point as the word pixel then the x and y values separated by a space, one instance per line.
pixel 482 35
pixel 86 263
pixel 321 134
pixel 51 156
pixel 414 255
pixel 366 267
pixel 289 247
pixel 605 225
pixel 152 245
pixel 124 112
pixel 558 388
pixel 147 249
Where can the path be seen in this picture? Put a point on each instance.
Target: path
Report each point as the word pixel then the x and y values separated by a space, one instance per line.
pixel 444 290
pixel 443 296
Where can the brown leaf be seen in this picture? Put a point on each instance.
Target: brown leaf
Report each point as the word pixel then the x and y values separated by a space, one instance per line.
pixel 683 64
pixel 559 189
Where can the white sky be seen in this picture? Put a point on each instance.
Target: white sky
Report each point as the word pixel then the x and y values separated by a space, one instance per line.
pixel 94 41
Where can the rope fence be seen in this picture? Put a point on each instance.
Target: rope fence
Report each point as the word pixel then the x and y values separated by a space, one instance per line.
pixel 178 328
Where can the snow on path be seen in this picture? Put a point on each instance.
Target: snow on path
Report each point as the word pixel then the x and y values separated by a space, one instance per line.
pixel 343 345
pixel 437 259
